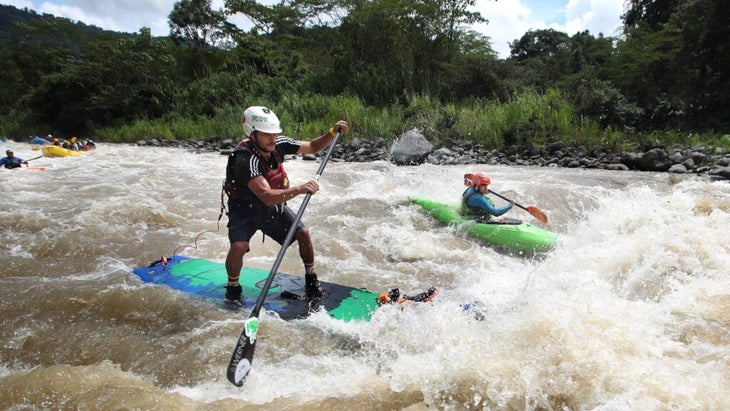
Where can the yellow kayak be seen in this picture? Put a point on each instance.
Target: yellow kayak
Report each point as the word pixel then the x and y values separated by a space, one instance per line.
pixel 56 151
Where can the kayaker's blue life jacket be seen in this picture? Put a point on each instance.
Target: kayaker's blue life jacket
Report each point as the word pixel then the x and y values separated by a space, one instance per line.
pixel 8 162
pixel 480 206
pixel 469 210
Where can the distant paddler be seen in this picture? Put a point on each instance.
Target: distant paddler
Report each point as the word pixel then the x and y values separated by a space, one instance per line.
pixel 10 161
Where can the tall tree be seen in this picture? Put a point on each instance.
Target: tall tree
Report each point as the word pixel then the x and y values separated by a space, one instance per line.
pixel 654 13
pixel 704 61
pixel 674 61
pixel 589 52
pixel 111 83
pixel 401 47
pixel 544 57
pixel 196 24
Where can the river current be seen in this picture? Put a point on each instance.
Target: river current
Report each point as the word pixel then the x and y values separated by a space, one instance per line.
pixel 630 311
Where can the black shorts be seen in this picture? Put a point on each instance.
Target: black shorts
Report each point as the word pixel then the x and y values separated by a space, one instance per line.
pixel 274 221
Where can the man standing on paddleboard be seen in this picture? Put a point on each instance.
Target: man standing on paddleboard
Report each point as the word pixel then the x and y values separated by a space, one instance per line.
pixel 258 189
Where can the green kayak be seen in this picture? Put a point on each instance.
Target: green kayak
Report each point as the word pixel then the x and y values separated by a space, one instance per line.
pixel 512 233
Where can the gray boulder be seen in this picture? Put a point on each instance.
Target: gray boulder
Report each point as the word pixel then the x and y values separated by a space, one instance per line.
pixel 617 167
pixel 720 173
pixel 411 148
pixel 655 159
pixel 678 169
pixel 629 159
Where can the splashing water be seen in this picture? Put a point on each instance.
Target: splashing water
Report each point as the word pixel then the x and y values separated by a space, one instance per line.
pixel 630 311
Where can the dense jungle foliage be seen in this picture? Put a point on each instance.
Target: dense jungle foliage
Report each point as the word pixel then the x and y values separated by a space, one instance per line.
pixel 384 65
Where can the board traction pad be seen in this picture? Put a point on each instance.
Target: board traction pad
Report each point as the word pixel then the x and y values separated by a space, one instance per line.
pixel 286 296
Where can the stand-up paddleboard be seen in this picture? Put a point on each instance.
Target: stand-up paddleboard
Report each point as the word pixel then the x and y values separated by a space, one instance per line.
pixel 286 296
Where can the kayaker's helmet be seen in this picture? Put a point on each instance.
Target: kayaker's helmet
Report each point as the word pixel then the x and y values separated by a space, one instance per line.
pixel 8 152
pixel 262 119
pixel 476 180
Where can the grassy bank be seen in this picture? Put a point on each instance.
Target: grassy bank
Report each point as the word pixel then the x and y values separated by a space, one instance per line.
pixel 530 118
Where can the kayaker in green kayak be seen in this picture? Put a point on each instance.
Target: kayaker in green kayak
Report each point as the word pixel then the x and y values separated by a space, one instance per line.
pixel 476 204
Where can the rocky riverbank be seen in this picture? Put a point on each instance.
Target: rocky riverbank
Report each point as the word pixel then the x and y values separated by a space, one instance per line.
pixel 413 149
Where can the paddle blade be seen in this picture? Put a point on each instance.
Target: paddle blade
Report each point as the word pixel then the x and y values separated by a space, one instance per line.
pixel 240 363
pixel 539 215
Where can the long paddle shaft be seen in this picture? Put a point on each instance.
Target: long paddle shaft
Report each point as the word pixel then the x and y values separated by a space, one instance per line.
pixel 34 158
pixel 240 363
pixel 539 215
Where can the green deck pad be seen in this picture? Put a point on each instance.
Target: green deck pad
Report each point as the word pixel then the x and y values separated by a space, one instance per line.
pixel 208 279
pixel 360 305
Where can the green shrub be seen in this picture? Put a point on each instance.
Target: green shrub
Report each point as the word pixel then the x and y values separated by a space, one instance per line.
pixel 526 118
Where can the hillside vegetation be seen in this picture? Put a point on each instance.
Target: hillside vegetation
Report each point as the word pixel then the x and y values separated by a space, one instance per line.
pixel 384 65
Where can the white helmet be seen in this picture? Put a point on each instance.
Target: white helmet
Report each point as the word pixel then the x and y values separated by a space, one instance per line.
pixel 259 118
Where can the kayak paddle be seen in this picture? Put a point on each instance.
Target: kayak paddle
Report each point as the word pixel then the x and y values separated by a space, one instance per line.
pixel 539 215
pixel 242 356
